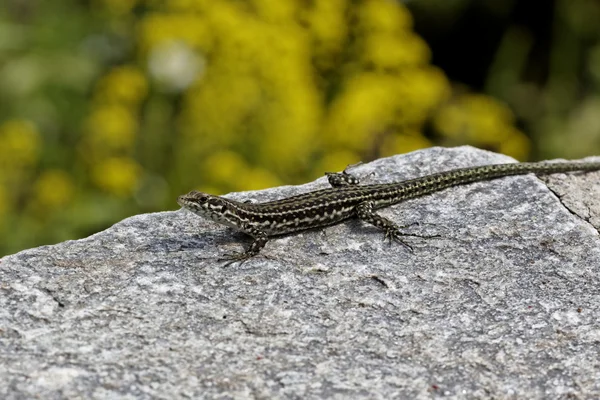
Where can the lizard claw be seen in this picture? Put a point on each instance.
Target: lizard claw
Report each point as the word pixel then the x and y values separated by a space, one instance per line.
pixel 235 257
pixel 238 257
pixel 409 247
pixel 394 235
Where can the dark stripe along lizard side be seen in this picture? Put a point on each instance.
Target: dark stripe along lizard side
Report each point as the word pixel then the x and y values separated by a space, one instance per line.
pixel 346 199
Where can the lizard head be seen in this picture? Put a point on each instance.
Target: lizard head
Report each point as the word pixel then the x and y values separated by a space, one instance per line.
pixel 210 207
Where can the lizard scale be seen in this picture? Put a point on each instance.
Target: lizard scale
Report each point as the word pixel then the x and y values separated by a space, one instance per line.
pixel 347 199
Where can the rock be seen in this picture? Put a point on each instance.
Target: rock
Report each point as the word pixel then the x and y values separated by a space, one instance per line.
pixel 503 304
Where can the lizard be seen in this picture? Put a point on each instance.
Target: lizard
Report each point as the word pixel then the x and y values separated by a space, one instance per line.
pixel 348 199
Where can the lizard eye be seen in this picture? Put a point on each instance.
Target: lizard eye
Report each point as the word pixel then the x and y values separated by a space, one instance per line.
pixel 199 196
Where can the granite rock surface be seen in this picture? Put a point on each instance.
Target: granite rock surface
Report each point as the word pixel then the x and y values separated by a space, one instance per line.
pixel 504 303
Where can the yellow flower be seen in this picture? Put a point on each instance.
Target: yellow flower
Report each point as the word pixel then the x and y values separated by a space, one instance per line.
pixel 189 5
pixel 363 109
pixel 288 128
pixel 335 161
pixel 227 170
pixel 417 91
pixel 293 84
pixel 388 51
pixel 117 175
pixel 192 29
pixel 256 178
pixel 486 116
pixel 474 117
pixel 20 143
pixel 428 87
pixel 275 11
pixel 482 121
pixel 224 167
pixel 384 16
pixel 216 110
pixel 516 144
pixel 125 84
pixel 404 143
pixel 54 188
pixel 110 127
pixel 328 25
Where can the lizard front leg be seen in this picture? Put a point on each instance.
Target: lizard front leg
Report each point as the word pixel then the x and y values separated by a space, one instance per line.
pixel 260 240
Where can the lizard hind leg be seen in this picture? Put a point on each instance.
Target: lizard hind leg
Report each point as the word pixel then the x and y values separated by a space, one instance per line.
pixel 344 178
pixel 341 179
pixel 365 213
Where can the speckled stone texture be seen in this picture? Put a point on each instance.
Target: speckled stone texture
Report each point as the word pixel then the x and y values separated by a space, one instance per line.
pixel 504 304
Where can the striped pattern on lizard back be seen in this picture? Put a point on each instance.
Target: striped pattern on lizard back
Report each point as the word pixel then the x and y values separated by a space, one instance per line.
pixel 348 199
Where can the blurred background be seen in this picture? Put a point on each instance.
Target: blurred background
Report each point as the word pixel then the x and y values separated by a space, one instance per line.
pixel 110 108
